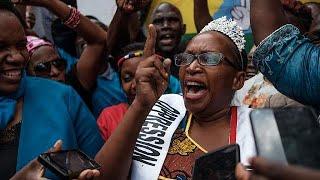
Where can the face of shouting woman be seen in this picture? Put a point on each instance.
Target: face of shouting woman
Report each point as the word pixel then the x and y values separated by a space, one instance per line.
pixel 13 52
pixel 210 88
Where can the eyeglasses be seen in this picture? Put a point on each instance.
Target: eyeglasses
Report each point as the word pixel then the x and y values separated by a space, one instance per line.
pixel 204 59
pixel 44 68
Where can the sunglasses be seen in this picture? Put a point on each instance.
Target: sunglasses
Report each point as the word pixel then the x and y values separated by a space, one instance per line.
pixel 44 68
pixel 204 59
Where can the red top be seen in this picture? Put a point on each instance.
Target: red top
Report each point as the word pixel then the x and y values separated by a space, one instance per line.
pixel 110 118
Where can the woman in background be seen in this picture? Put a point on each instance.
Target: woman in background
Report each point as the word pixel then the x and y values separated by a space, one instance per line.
pixel 35 112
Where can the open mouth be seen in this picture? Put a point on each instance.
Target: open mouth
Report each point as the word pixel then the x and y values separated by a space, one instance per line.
pixel 195 90
pixel 12 75
pixel 167 39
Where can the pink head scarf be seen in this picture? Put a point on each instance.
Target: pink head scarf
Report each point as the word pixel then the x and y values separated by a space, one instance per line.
pixel 34 43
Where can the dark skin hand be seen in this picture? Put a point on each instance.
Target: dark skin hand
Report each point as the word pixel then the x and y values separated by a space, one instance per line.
pixel 265 170
pixel 130 6
pixel 152 80
pixel 273 17
pixel 201 14
pixel 35 171
pixel 91 59
pixel 118 33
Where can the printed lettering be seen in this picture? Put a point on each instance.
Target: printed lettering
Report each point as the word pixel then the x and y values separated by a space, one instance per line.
pixel 156 140
pixel 143 158
pixel 155 125
pixel 149 144
pixel 147 130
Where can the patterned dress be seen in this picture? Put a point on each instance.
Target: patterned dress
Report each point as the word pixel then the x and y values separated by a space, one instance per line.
pixel 184 151
pixel 180 158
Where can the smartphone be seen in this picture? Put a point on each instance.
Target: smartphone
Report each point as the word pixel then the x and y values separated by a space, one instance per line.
pixel 217 165
pixel 67 164
pixel 287 135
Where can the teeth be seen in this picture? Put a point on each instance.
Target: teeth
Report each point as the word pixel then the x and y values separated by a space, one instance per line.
pixel 194 84
pixel 12 73
pixel 167 36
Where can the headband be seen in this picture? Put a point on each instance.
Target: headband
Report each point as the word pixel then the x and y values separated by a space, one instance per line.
pixel 129 56
pixel 34 43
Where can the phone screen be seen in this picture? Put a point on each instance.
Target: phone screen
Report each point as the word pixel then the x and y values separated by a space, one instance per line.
pixel 217 165
pixel 287 135
pixel 67 164
pixel 70 161
pixel 300 136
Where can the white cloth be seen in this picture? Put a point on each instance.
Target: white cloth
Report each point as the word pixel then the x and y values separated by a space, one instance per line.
pixel 254 93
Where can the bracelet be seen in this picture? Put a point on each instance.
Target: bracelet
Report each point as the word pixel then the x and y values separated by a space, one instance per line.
pixel 74 18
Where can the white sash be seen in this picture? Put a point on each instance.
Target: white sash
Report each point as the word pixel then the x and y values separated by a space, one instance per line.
pixel 155 137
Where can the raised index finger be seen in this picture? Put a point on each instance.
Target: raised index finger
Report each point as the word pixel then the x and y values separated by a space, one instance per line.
pixel 149 47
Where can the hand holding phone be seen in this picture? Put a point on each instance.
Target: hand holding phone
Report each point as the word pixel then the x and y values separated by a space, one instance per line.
pixel 217 165
pixel 68 164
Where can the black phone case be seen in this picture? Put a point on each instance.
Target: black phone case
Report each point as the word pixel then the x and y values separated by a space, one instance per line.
pixel 62 173
pixel 300 135
pixel 294 130
pixel 217 165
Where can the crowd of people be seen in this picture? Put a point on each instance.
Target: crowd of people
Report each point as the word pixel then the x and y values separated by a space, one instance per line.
pixel 147 106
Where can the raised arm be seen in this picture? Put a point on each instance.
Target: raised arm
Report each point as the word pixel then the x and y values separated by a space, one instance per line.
pixel 201 14
pixel 91 59
pixel 288 59
pixel 152 80
pixel 266 16
pixel 118 34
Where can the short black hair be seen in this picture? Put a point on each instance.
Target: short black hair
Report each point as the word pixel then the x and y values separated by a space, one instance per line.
pixel 170 4
pixel 7 5
pixel 131 48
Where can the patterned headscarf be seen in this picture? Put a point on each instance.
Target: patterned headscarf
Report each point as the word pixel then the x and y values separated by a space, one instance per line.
pixel 35 42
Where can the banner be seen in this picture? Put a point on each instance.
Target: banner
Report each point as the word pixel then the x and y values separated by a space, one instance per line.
pixel 236 9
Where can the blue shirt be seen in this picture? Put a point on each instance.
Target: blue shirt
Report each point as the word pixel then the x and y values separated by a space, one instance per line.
pixel 53 111
pixel 71 61
pixel 109 91
pixel 292 63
